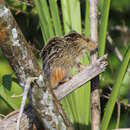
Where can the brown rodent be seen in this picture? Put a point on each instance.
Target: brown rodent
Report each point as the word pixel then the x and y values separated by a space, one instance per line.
pixel 61 54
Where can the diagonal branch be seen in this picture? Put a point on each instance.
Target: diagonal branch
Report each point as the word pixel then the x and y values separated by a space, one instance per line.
pixel 81 78
pixel 85 75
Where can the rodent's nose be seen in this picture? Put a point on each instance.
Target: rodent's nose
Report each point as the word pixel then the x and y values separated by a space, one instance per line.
pixel 96 49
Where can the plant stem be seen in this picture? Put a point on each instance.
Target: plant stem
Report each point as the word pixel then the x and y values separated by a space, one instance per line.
pixel 95 95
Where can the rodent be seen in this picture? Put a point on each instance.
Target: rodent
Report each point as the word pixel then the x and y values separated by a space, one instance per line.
pixel 59 56
pixel 63 53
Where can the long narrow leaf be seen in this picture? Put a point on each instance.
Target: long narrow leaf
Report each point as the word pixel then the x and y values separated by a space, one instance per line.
pixel 103 26
pixel 76 97
pixel 87 21
pixel 67 102
pixel 115 91
pixel 88 88
pixel 44 33
pixel 100 4
pixel 66 16
pixel 45 19
pixel 75 15
pixel 72 21
pixel 46 14
pixel 7 98
pixel 55 17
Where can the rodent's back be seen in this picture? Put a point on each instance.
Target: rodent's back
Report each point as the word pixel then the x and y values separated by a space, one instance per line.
pixel 58 59
pixel 61 54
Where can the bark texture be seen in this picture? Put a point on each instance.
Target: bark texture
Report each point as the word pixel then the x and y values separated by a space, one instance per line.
pixel 21 58
pixel 95 95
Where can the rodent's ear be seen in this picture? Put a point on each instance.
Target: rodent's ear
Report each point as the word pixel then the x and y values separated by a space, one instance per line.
pixel 72 35
pixel 72 31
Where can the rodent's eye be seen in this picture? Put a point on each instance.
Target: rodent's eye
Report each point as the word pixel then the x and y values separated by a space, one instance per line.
pixel 87 39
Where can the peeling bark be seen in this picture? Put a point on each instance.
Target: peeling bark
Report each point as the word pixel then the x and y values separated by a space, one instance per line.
pixel 23 62
pixel 16 48
pixel 28 121
pixel 95 94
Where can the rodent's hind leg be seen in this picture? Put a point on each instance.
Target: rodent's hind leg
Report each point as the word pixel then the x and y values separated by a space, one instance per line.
pixel 57 76
pixel 65 80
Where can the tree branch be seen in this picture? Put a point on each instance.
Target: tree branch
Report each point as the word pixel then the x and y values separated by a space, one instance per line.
pixel 85 75
pixel 81 78
pixel 22 60
pixel 28 120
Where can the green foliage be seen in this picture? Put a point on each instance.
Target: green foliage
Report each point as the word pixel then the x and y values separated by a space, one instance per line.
pixel 123 5
pixel 74 103
pixel 87 20
pixel 8 88
pixel 55 17
pixel 115 91
pixel 7 81
pixel 6 95
pixel 61 17
pixel 45 19
pixel 75 15
pixel 20 6
pixel 66 16
pixel 103 26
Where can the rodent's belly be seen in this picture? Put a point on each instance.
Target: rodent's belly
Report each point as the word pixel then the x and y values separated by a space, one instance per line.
pixel 59 69
pixel 57 74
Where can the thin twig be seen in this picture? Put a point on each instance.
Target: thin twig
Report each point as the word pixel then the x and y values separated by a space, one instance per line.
pixel 122 103
pixel 118 114
pixel 116 50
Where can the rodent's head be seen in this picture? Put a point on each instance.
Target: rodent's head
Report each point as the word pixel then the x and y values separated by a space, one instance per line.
pixel 81 42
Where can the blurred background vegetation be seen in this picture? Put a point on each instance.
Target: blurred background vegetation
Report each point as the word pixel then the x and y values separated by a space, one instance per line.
pixel 117 42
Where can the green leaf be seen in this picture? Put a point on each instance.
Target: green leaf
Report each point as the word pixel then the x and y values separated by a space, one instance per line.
pixel 103 26
pixel 55 17
pixel 7 81
pixel 66 16
pixel 100 4
pixel 45 19
pixel 115 92
pixel 75 15
pixel 76 104
pixel 87 20
pixel 8 100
